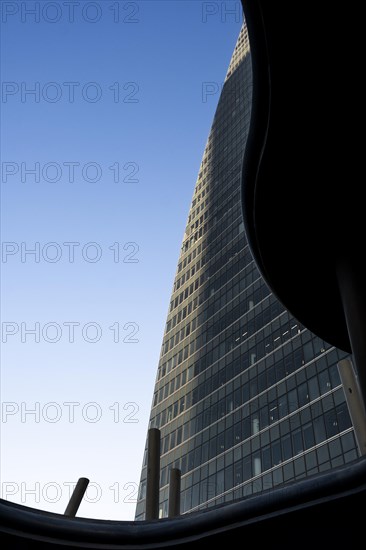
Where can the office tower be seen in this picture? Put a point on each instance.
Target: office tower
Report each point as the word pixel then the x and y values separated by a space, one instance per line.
pixel 246 399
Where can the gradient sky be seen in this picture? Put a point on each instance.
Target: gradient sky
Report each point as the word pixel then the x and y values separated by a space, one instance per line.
pixel 118 84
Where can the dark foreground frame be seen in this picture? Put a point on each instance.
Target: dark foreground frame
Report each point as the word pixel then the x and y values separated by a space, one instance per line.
pixel 309 513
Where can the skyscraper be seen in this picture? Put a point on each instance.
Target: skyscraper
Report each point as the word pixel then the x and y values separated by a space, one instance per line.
pixel 245 397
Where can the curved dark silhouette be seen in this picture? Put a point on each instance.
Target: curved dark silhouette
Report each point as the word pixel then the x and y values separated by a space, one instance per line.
pixel 293 514
pixel 301 189
pixel 301 176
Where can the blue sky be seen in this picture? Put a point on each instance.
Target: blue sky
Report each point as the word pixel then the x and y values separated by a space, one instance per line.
pixel 103 156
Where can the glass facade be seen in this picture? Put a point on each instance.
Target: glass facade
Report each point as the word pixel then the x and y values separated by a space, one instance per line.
pixel 245 397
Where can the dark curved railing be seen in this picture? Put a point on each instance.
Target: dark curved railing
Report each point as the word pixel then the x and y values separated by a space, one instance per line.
pixel 293 516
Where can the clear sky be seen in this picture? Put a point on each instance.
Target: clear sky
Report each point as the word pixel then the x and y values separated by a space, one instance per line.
pixel 104 119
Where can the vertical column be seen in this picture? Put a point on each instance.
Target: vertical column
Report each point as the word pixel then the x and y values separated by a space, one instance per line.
pixel 153 474
pixel 351 280
pixel 76 497
pixel 174 493
pixel 354 403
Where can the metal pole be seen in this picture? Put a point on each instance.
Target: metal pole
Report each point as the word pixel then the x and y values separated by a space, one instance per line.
pixel 351 281
pixel 153 474
pixel 77 497
pixel 174 493
pixel 354 402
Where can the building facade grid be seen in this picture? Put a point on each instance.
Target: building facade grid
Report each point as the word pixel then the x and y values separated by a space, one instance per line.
pixel 245 397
